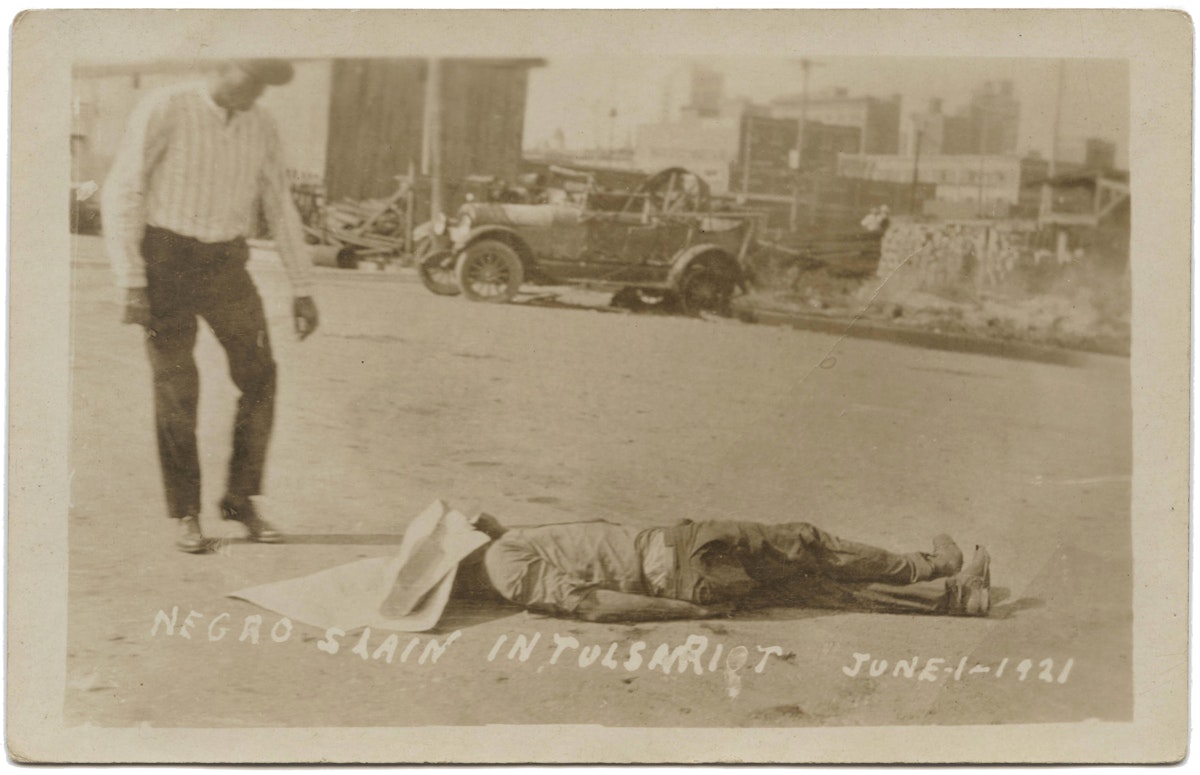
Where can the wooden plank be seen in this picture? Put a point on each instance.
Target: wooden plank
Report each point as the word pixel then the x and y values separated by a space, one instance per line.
pixel 484 119
pixel 374 125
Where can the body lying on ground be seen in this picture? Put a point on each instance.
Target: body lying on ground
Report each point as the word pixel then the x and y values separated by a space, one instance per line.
pixel 601 571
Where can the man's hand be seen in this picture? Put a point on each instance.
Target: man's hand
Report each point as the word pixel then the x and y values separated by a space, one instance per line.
pixel 137 307
pixel 304 315
pixel 717 610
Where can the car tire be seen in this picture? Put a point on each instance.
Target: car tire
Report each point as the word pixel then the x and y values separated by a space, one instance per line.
pixel 705 288
pixel 438 273
pixel 644 300
pixel 491 271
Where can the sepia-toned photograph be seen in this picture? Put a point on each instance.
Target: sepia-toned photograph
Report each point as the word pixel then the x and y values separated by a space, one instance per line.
pixel 446 399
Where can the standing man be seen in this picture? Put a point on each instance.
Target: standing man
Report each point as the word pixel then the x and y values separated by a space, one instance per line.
pixel 181 198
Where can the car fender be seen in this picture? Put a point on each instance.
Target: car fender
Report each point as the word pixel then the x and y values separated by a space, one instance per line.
pixel 503 234
pixel 686 257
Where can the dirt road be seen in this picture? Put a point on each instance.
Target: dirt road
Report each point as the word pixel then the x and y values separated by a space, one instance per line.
pixel 555 414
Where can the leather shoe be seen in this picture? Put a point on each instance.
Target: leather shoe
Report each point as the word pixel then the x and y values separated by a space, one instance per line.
pixel 241 509
pixel 190 538
pixel 970 592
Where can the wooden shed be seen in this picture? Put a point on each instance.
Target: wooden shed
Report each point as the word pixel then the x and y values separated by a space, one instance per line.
pixel 382 110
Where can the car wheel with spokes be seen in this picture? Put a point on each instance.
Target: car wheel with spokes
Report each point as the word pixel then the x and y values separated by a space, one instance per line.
pixel 437 273
pixel 705 288
pixel 490 270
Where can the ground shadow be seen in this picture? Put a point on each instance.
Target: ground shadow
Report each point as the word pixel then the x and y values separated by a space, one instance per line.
pixel 326 539
pixel 772 613
pixel 1017 606
pixel 781 611
pixel 553 301
pixel 627 306
pixel 461 614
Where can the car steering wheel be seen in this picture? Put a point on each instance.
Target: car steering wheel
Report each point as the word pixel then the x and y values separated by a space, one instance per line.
pixel 673 190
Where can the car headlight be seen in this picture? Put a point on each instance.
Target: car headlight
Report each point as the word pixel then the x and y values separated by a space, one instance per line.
pixel 439 224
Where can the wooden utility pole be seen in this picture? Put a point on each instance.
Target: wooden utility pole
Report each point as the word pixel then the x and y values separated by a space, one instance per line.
pixel 612 128
pixel 793 214
pixel 917 127
pixel 982 156
pixel 747 123
pixel 431 158
pixel 806 64
pixel 1062 67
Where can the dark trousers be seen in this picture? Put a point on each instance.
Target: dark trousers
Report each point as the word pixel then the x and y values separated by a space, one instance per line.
pixel 797 564
pixel 186 280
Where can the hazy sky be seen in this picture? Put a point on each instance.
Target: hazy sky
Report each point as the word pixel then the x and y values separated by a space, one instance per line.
pixel 575 94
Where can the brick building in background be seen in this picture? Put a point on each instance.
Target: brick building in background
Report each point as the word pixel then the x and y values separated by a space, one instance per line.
pixel 877 120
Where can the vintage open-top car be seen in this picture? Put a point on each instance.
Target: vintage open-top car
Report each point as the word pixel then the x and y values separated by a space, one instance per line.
pixel 661 243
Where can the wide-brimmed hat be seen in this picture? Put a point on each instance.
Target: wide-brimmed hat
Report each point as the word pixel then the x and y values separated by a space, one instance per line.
pixel 407 591
pixel 272 72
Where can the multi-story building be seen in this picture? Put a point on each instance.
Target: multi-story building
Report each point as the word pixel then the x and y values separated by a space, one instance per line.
pixel 769 146
pixel 707 91
pixel 986 126
pixel 985 185
pixel 994 114
pixel 878 120
pixel 958 135
pixel 824 143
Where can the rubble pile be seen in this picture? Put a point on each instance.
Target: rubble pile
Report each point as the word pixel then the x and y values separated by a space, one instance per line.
pixel 989 280
pixel 933 254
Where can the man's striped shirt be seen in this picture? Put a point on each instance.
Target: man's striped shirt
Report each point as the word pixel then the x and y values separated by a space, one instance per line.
pixel 188 165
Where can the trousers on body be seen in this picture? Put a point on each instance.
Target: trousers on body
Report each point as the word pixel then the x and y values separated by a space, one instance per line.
pixel 797 564
pixel 186 280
